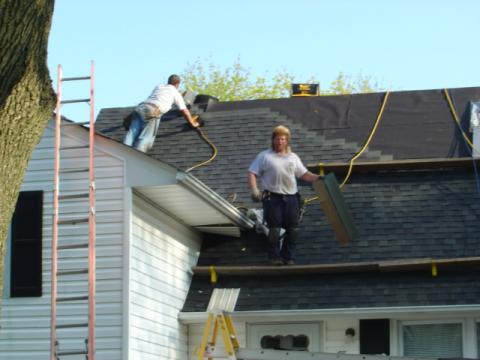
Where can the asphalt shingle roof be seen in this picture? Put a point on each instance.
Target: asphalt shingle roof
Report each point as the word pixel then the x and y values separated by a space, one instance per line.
pixel 398 214
pixel 337 291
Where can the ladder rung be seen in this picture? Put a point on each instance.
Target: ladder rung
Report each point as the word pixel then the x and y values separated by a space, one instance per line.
pixel 68 326
pixel 68 171
pixel 73 196
pixel 76 78
pixel 74 147
pixel 71 352
pixel 71 298
pixel 74 101
pixel 76 123
pixel 72 272
pixel 72 221
pixel 73 246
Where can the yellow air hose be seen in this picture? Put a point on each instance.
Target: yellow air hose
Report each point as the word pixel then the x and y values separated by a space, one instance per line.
pixel 363 148
pixel 369 139
pixel 212 145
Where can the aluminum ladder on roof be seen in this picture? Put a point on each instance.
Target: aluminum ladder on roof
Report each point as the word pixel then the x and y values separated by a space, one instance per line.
pixel 74 335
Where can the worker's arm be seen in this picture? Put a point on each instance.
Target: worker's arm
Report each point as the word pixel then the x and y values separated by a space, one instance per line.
pixel 310 177
pixel 252 180
pixel 191 120
pixel 252 183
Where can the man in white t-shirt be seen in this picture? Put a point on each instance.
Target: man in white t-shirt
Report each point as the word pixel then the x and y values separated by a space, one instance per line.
pixel 147 115
pixel 278 169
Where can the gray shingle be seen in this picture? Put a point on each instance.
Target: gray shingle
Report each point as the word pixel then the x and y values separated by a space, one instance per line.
pixel 399 215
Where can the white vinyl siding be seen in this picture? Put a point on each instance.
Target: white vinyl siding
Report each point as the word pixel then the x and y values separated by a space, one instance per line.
pixel 335 339
pixel 25 322
pixel 162 254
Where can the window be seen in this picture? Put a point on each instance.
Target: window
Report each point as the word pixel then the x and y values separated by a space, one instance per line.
pixel 443 340
pixel 26 246
pixel 285 342
pixel 375 336
pixel 296 336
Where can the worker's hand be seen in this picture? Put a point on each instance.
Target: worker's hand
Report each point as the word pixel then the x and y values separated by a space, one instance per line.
pixel 195 121
pixel 256 194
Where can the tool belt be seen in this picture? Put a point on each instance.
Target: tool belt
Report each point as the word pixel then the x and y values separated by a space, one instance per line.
pixel 148 111
pixel 267 194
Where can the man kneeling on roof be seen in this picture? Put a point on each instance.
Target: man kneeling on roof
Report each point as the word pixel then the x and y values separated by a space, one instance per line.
pixel 146 117
pixel 278 169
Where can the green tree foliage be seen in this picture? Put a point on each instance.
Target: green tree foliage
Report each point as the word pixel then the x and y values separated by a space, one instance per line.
pixel 344 84
pixel 234 83
pixel 237 83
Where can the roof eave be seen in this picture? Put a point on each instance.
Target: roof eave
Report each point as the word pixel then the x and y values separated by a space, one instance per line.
pixel 215 200
pixel 297 315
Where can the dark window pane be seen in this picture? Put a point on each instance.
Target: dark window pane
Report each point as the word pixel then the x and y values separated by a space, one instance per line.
pixel 375 336
pixel 26 264
pixel 287 342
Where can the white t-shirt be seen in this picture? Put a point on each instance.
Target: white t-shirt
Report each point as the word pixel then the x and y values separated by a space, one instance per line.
pixel 278 172
pixel 164 96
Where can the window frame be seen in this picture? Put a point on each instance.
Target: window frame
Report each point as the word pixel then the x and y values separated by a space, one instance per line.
pixel 402 323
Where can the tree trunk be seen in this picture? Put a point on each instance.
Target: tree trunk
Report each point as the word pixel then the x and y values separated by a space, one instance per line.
pixel 27 99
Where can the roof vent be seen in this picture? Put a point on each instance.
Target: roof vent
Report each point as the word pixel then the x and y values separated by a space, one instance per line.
pixel 305 89
pixel 205 101
pixel 475 127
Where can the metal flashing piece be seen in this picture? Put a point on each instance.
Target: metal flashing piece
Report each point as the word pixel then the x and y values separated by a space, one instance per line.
pixel 223 300
pixel 335 208
pixel 215 200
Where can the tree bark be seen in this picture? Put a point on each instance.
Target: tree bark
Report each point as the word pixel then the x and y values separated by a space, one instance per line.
pixel 27 99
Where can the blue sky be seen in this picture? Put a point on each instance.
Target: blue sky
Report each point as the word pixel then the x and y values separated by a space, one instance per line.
pixel 404 44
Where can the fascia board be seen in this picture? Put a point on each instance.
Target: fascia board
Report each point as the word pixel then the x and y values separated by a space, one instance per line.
pixel 305 315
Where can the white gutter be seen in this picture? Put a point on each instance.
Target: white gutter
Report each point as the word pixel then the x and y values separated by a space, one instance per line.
pixel 305 315
pixel 211 197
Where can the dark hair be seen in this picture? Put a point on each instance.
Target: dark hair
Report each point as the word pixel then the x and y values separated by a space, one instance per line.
pixel 173 79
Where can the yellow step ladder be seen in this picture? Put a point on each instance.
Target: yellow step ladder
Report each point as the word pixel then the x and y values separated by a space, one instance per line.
pixel 222 303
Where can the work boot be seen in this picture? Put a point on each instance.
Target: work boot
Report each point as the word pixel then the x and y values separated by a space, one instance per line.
pixel 276 262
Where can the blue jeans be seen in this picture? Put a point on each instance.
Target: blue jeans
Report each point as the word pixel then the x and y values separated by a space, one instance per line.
pixel 281 211
pixel 141 134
